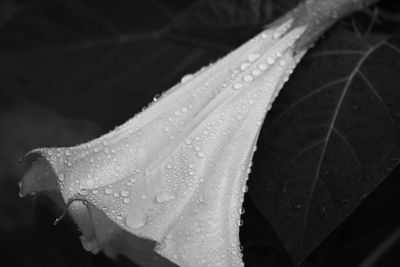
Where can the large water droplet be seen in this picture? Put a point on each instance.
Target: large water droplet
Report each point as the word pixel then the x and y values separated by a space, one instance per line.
pixel 164 197
pixel 136 219
pixel 83 192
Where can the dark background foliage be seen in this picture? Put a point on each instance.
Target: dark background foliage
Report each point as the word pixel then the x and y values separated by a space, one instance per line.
pixel 72 70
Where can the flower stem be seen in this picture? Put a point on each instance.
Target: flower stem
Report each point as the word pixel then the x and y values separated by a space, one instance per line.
pixel 320 15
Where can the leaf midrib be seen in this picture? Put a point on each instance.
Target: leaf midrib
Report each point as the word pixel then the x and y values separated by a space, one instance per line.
pixel 329 132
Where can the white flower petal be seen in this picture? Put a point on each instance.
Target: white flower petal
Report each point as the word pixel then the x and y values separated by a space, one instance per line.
pixel 175 173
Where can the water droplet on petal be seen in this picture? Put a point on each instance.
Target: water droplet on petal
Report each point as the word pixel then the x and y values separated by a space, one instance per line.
pixel 186 78
pixel 256 72
pixel 124 193
pixel 108 191
pixel 237 86
pixel 248 78
pixel 253 57
pixel 136 219
pixel 244 66
pixel 164 197
pixel 244 188
pixel 83 192
pixel 263 66
pixel 270 60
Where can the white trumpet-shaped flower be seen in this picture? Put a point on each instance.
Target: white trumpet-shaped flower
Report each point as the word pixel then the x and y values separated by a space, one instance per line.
pixel 175 173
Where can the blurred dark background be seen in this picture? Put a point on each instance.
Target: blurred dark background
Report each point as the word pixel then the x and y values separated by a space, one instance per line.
pixel 72 70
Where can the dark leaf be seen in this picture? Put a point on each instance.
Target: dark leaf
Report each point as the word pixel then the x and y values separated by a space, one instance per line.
pixel 330 139
pixel 225 24
pixel 76 56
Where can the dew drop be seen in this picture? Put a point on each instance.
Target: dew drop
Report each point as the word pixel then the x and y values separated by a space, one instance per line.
pixel 186 78
pixel 244 188
pixel 136 219
pixel 297 206
pixel 201 154
pixel 270 60
pixel 237 86
pixel 164 197
pixel 61 177
pixel 244 66
pixel 67 152
pixel 83 192
pixel 263 66
pixel 124 193
pixel 126 200
pixel 108 191
pixel 248 78
pixel 253 57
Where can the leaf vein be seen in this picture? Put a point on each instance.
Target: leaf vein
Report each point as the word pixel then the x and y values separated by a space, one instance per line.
pixel 329 132
pixel 325 86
